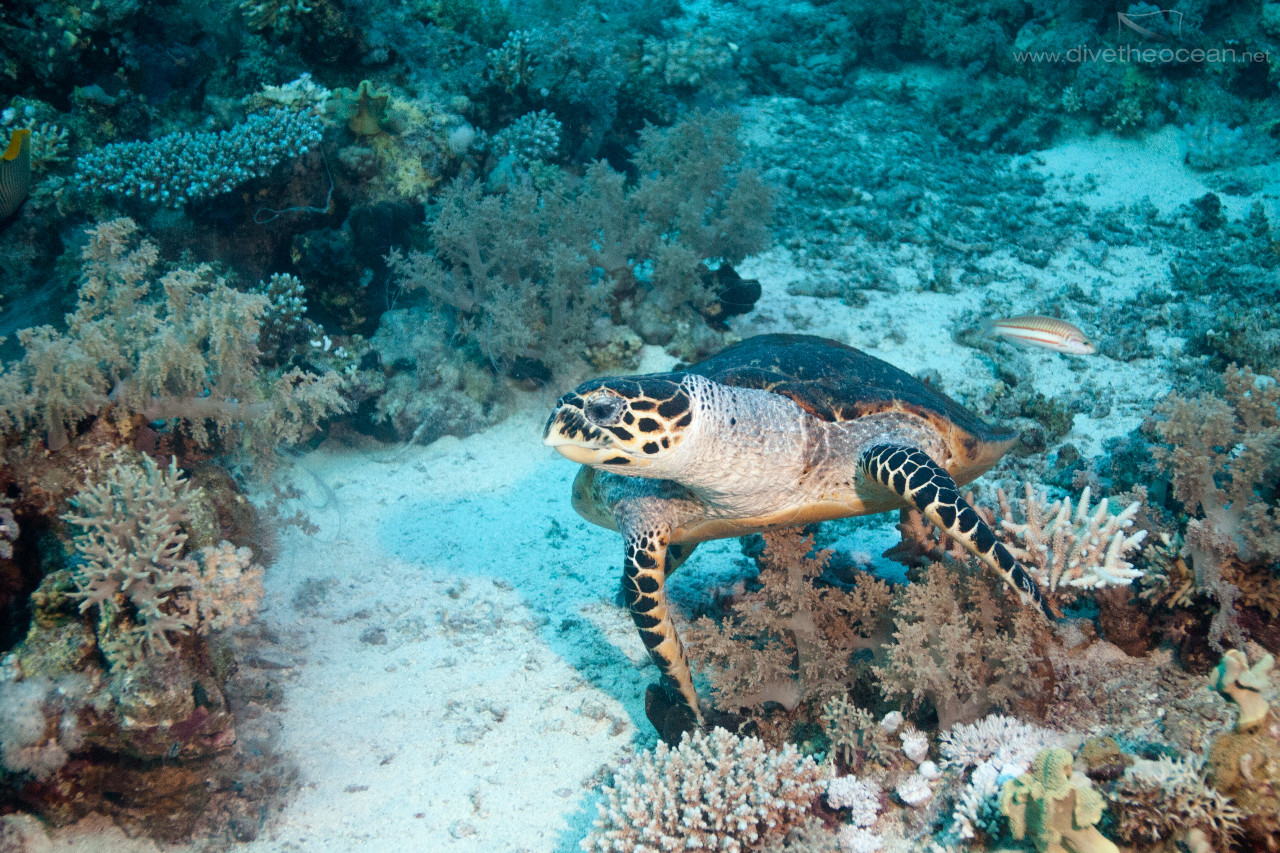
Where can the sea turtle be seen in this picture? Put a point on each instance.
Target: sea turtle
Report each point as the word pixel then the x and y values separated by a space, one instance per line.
pixel 776 431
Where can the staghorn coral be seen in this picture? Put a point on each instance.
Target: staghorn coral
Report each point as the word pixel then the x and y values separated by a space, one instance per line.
pixel 715 791
pixel 1056 808
pixel 1068 552
pixel 960 646
pixel 185 352
pixel 792 640
pixel 1165 799
pixel 1222 453
pixel 134 572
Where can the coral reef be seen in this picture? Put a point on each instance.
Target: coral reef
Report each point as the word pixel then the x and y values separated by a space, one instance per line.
pixel 1066 552
pixel 792 641
pixel 1222 454
pixel 526 274
pixel 1244 685
pixel 1166 800
pixel 1244 764
pixel 960 645
pixel 714 791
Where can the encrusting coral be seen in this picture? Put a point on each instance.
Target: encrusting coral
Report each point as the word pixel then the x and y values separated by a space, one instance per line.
pixel 715 791
pixel 1055 807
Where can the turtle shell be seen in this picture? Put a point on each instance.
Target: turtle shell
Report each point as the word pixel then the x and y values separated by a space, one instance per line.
pixel 837 383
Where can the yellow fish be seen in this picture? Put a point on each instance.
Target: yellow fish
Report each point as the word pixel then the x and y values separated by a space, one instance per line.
pixel 1047 332
pixel 15 172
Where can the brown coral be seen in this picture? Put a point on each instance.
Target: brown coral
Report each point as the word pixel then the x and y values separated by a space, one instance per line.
pixel 791 640
pixel 1163 800
pixel 135 574
pixel 1223 456
pixel 183 349
pixel 959 645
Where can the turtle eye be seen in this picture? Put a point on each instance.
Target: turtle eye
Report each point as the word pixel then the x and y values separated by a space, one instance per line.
pixel 605 410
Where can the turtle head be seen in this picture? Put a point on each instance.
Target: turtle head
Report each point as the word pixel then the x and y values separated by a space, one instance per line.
pixel 632 425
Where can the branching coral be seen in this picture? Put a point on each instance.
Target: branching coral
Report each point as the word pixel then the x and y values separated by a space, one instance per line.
pixel 1163 800
pixel 792 640
pixel 134 572
pixel 527 273
pixel 958 646
pixel 1067 552
pixel 185 351
pixel 182 167
pixel 1223 456
pixel 715 791
pixel 1066 549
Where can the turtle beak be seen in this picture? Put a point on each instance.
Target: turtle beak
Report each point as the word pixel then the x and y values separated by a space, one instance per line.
pixel 573 437
pixel 565 432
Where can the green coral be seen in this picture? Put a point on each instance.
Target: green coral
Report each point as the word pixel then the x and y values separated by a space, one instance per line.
pixel 1055 807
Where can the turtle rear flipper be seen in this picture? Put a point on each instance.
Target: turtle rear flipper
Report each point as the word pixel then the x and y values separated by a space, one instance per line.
pixel 912 475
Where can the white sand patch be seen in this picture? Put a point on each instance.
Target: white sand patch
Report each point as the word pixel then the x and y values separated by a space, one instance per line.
pixel 1107 171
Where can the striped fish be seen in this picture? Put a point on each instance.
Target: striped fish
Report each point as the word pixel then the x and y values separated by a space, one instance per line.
pixel 15 172
pixel 1047 332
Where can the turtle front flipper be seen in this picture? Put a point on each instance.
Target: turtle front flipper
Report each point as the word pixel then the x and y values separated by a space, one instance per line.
pixel 644 589
pixel 912 475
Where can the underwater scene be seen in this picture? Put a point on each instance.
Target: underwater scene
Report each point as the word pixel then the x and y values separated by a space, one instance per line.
pixel 513 426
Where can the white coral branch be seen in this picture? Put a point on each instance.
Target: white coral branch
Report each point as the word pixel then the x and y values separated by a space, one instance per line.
pixel 1066 551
